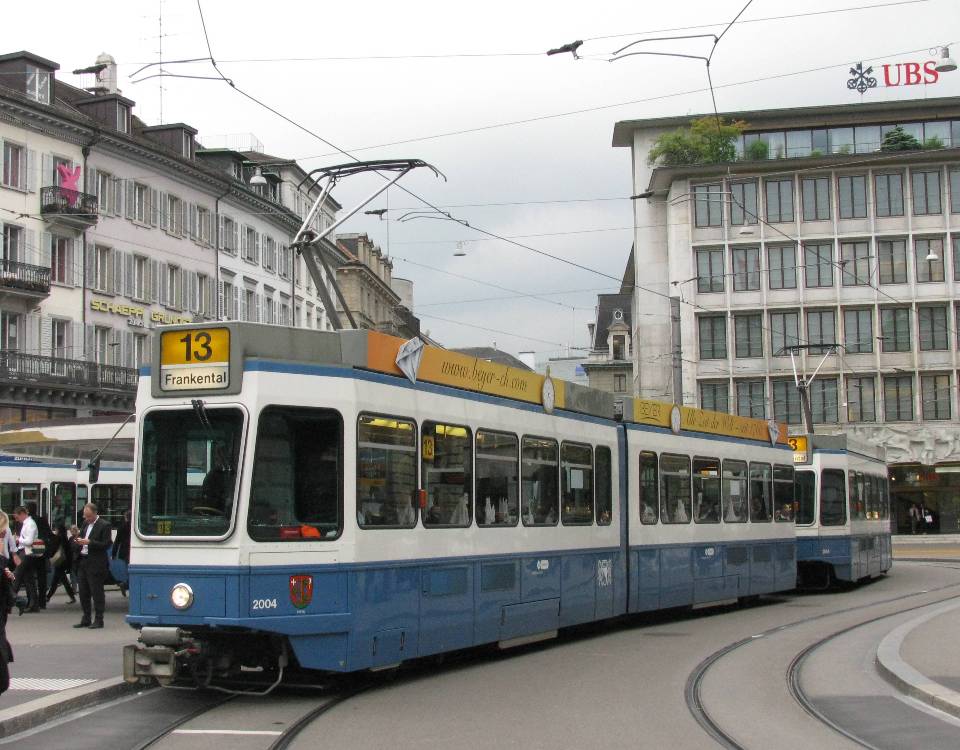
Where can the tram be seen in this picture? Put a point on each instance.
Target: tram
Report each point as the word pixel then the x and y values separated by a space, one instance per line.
pixel 60 489
pixel 366 501
pixel 843 511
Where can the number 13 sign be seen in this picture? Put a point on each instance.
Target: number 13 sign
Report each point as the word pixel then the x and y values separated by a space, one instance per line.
pixel 195 359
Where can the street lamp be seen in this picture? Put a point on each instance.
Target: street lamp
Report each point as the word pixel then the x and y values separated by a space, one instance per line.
pixel 946 63
pixel 258 180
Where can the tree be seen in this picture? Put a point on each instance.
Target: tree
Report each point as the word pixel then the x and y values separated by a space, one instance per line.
pixel 705 141
pixel 899 140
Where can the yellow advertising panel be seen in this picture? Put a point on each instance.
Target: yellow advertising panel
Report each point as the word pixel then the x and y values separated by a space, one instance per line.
pixel 195 359
pixel 658 413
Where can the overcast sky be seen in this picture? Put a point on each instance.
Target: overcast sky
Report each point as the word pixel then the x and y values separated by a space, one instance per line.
pixel 483 65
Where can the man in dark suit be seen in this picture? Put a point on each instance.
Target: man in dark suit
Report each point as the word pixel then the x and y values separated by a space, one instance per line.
pixel 93 566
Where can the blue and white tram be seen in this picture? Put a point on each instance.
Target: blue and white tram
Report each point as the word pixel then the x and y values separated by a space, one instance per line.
pixel 61 488
pixel 350 518
pixel 843 512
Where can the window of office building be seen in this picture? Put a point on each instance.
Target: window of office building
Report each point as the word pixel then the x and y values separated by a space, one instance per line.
pixel 715 396
pixel 955 185
pixel 779 194
pixel 892 260
pixel 852 196
pixel 821 329
pixel 855 262
pixel 751 399
pixel 936 394
pixel 746 268
pixel 823 400
pixel 784 332
pixel 861 400
pixel 928 256
pixel 926 193
pixel 786 401
pixel 708 205
pixel 933 327
pixel 818 264
pixel 748 330
pixel 816 198
pixel 782 265
pixel 895 329
pixel 713 336
pixel 888 193
pixel 858 331
pixel 898 398
pixel 743 203
pixel 710 271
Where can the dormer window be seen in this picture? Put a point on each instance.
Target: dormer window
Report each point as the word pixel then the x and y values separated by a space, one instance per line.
pixel 187 145
pixel 123 118
pixel 38 84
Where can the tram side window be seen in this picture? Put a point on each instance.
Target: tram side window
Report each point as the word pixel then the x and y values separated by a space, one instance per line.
pixel 649 484
pixel 188 468
pixel 833 498
pixel 783 497
pixel 604 481
pixel 885 498
pixel 856 495
pixel 63 506
pixel 539 490
pixel 706 490
pixel 112 501
pixel 576 484
pixel 870 496
pixel 13 494
pixel 674 488
pixel 497 478
pixel 447 456
pixel 297 485
pixel 761 492
pixel 734 484
pixel 805 486
pixel 386 472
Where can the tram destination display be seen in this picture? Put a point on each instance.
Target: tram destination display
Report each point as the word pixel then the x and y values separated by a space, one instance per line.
pixel 195 359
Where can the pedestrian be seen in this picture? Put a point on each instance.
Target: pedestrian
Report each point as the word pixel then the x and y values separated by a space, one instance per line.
pixel 914 517
pixel 61 560
pixel 121 554
pixel 44 534
pixel 7 551
pixel 92 549
pixel 26 572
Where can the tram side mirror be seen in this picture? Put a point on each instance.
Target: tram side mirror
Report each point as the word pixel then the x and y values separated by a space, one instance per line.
pixel 93 471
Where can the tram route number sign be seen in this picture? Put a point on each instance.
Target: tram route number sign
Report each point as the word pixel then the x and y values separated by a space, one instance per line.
pixel 195 359
pixel 800 447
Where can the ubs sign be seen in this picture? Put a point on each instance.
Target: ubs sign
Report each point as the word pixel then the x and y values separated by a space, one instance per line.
pixel 893 74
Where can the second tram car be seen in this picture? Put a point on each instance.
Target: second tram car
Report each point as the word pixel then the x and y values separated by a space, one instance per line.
pixel 843 512
pixel 352 518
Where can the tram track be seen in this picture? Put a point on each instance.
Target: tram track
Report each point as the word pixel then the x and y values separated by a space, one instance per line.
pixel 693 686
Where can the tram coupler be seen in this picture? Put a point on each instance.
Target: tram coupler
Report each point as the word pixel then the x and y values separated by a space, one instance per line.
pixel 156 655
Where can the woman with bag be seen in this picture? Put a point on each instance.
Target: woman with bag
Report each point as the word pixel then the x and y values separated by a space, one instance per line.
pixel 62 562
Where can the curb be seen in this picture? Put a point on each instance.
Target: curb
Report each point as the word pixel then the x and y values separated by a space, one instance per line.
pixel 32 714
pixel 909 680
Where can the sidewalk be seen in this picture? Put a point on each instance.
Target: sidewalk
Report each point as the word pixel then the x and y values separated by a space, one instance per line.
pixel 57 665
pixel 919 658
pixel 926 546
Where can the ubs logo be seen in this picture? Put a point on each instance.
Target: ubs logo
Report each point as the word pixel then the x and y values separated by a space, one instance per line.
pixel 894 74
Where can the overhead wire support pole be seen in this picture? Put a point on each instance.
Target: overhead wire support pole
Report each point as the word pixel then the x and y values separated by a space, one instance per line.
pixel 307 241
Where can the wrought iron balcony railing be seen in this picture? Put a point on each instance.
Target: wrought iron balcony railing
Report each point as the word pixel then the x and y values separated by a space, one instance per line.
pixel 70 206
pixel 24 276
pixel 54 371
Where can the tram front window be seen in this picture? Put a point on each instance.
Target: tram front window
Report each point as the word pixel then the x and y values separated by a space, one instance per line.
pixel 805 487
pixel 188 472
pixel 297 484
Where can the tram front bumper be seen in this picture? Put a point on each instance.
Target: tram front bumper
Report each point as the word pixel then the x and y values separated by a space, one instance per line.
pixel 155 655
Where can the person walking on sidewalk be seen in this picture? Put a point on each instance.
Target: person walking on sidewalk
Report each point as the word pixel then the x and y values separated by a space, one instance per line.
pixel 26 572
pixel 7 550
pixel 93 547
pixel 61 559
pixel 44 533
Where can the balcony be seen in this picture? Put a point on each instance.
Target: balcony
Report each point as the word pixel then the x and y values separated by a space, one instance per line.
pixel 23 279
pixel 35 371
pixel 70 208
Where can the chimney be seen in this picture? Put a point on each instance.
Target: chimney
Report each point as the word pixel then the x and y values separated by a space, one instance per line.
pixel 107 77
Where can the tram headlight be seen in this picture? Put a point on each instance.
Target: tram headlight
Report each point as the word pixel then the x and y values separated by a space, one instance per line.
pixel 181 596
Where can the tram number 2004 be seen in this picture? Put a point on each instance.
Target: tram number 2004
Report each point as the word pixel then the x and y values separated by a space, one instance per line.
pixel 264 604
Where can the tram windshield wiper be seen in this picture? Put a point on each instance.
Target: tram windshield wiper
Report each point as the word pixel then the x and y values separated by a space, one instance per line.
pixel 200 410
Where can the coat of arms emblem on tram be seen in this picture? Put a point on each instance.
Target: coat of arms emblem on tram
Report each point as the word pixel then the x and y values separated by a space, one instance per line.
pixel 301 591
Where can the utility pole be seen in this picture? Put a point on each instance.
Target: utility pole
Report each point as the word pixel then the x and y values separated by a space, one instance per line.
pixel 677 351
